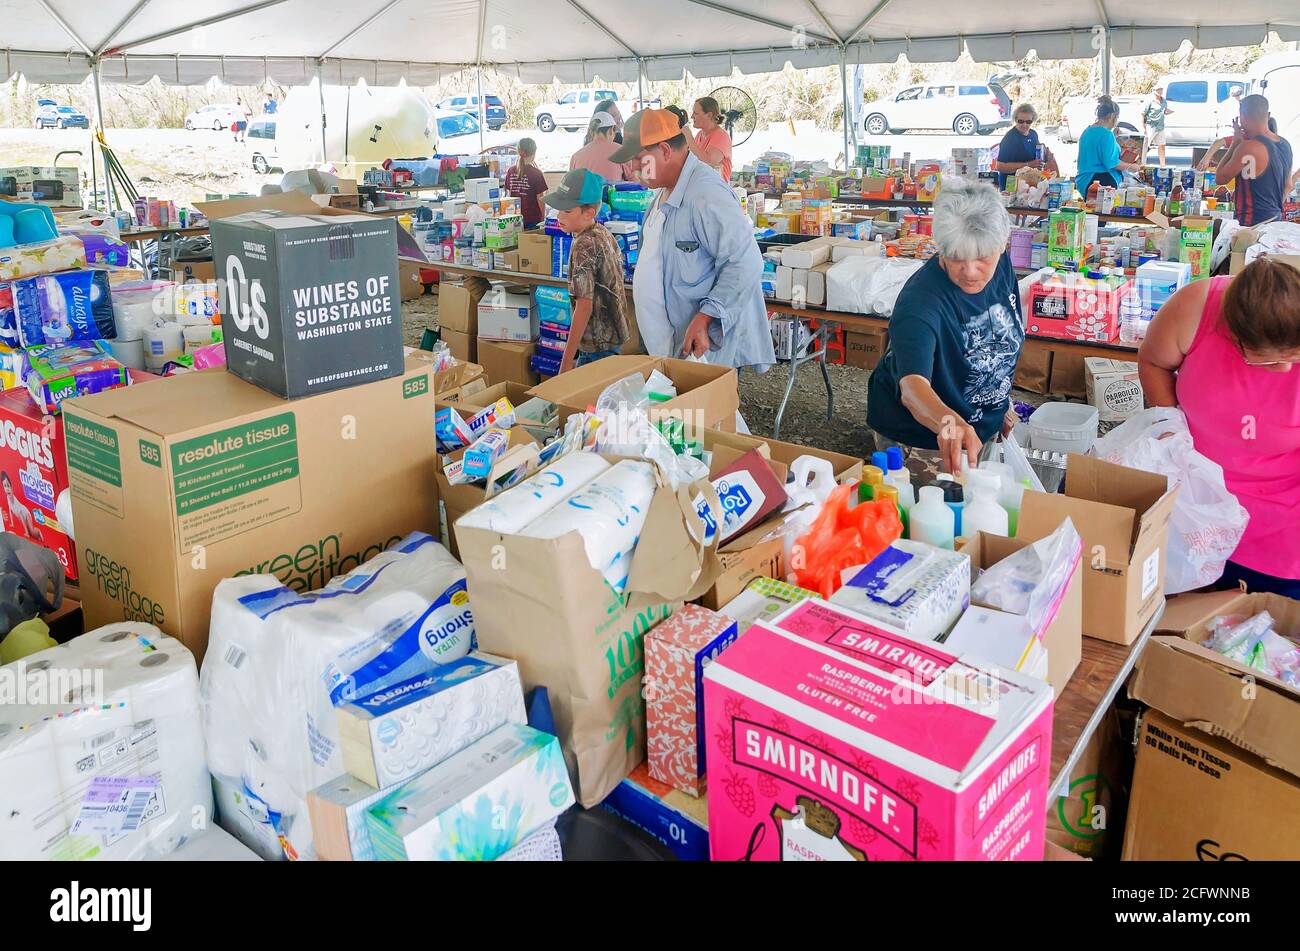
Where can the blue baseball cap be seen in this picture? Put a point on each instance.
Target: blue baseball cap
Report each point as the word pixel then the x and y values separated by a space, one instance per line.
pixel 580 187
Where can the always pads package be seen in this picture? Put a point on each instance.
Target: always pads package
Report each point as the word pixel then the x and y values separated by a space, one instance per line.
pixel 64 307
pixel 278 663
pixel 101 751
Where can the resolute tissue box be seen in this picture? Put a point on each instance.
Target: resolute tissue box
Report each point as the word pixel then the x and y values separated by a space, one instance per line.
pixel 390 734
pixel 478 804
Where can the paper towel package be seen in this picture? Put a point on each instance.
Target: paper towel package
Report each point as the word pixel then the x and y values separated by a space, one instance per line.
pixel 478 804
pixel 917 588
pixel 279 661
pixel 101 749
pixel 509 512
pixel 390 734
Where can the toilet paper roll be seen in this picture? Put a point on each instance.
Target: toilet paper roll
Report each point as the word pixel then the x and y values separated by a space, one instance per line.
pixel 608 512
pixel 139 305
pixel 163 342
pixel 509 512
pixel 105 759
pixel 129 353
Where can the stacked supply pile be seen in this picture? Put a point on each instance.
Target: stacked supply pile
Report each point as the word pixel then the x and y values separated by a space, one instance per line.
pixel 554 316
pixel 51 185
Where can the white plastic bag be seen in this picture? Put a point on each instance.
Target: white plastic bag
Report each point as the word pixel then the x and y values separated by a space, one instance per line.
pixel 1007 450
pixel 1207 521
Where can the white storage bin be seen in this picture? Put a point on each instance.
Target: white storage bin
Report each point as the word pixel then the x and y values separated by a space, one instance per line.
pixel 1064 427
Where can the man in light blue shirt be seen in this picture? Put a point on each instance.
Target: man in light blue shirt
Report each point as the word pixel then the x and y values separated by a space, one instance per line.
pixel 697 282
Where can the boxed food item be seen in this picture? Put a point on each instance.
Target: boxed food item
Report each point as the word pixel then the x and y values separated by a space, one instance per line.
pixel 217 477
pixel 1113 387
pixel 64 307
pixel 59 372
pixel 763 599
pixel 916 588
pixel 310 303
pixel 394 731
pixel 832 738
pixel 1195 244
pixel 1065 237
pixel 1072 307
pixel 679 821
pixel 34 470
pixel 677 651
pixel 476 805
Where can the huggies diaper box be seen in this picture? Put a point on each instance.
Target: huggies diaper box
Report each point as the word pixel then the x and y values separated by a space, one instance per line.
pixel 831 737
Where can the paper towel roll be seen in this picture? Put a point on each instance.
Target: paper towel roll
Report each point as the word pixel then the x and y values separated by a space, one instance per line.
pixel 510 511
pixel 163 341
pixel 139 305
pixel 278 659
pixel 129 353
pixel 608 512
pixel 123 728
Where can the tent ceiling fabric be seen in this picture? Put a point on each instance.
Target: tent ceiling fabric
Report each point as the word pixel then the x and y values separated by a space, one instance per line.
pixel 247 41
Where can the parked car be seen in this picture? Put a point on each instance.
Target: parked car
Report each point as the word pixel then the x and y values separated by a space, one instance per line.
pixel 572 111
pixel 218 117
pixel 965 108
pixel 1277 76
pixel 1202 106
pixel 50 115
pixel 450 124
pixel 1079 112
pixel 261 133
pixel 493 108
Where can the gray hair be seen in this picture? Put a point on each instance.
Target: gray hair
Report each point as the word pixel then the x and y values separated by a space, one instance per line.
pixel 1024 108
pixel 970 220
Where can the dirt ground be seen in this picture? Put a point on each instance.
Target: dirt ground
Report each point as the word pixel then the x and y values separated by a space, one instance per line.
pixel 804 422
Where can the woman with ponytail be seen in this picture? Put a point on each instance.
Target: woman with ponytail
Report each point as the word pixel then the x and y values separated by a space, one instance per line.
pixel 711 144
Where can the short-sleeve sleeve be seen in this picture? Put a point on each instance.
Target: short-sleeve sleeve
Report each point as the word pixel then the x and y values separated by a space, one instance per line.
pixel 913 342
pixel 582 268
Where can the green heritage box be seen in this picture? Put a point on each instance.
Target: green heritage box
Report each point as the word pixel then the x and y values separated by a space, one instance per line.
pixel 309 303
pixel 174 489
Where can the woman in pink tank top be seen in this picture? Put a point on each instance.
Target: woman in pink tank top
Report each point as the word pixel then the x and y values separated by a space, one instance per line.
pixel 1227 351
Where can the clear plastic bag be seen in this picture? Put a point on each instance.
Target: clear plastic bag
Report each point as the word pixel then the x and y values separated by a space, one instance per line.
pixel 1032 582
pixel 1007 451
pixel 1207 522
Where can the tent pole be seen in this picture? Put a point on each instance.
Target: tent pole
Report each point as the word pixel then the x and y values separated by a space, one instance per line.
pixel 99 124
pixel 320 92
pixel 640 89
pixel 1105 63
pixel 481 111
pixel 844 90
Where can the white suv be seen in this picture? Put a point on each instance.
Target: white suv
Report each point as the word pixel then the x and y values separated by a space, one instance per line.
pixel 573 111
pixel 965 108
pixel 1202 106
pixel 1079 112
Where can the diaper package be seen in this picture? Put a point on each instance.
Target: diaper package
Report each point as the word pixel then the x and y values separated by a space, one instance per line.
pixel 279 662
pixel 58 372
pixel 64 307
pixel 101 751
pixel 14 365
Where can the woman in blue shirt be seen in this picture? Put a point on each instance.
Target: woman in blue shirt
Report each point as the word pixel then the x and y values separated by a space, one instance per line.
pixel 1019 147
pixel 1100 159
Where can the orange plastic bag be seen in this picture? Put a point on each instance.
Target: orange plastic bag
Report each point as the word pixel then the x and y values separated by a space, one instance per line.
pixel 843 535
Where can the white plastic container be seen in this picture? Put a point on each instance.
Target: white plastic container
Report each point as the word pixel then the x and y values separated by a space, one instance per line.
pixel 1064 427
pixel 931 520
pixel 982 512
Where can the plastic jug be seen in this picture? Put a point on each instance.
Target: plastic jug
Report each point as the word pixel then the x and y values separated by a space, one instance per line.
pixel 898 476
pixel 813 480
pixel 931 520
pixel 982 512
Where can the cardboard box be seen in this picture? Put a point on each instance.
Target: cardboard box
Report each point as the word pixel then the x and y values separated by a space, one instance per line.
pixel 505 362
pixel 35 469
pixel 1063 636
pixel 311 302
pixel 1113 387
pixel 1123 516
pixel 817 711
pixel 679 821
pixel 676 653
pixel 507 315
pixel 535 252
pixel 1088 821
pixel 464 347
pixel 1034 369
pixel 168 498
pixel 1197 797
pixel 863 349
pixel 1242 241
pixel 458 499
pixel 537 419
pixel 412 284
pixel 706 394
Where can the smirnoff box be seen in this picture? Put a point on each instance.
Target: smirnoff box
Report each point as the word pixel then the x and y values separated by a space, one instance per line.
pixel 309 303
pixel 835 738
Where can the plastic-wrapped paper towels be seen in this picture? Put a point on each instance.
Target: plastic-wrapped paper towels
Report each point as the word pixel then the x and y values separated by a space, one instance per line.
pixel 868 285
pixel 115 768
pixel 280 661
pixel 609 512
pixel 509 512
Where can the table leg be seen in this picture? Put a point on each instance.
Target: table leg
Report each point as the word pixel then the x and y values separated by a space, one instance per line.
pixel 789 386
pixel 830 394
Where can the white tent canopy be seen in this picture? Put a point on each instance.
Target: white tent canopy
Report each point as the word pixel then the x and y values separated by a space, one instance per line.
pixel 382 41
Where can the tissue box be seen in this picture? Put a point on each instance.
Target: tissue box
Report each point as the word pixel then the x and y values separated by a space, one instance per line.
pixel 450 430
pixel 42 257
pixel 913 587
pixel 338 819
pixel 676 653
pixel 60 372
pixel 478 804
pixel 889 749
pixel 390 734
pixel 63 307
pixel 763 599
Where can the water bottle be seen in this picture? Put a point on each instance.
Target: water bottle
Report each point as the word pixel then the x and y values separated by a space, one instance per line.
pixel 1132 326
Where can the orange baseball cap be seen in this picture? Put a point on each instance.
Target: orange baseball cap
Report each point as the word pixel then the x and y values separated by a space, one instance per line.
pixel 644 129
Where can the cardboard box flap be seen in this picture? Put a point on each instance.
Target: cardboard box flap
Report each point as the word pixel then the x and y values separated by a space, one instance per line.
pixel 1187 611
pixel 670 562
pixel 1203 689
pixel 1146 493
pixel 294 202
pixel 563 388
pixel 1109 527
